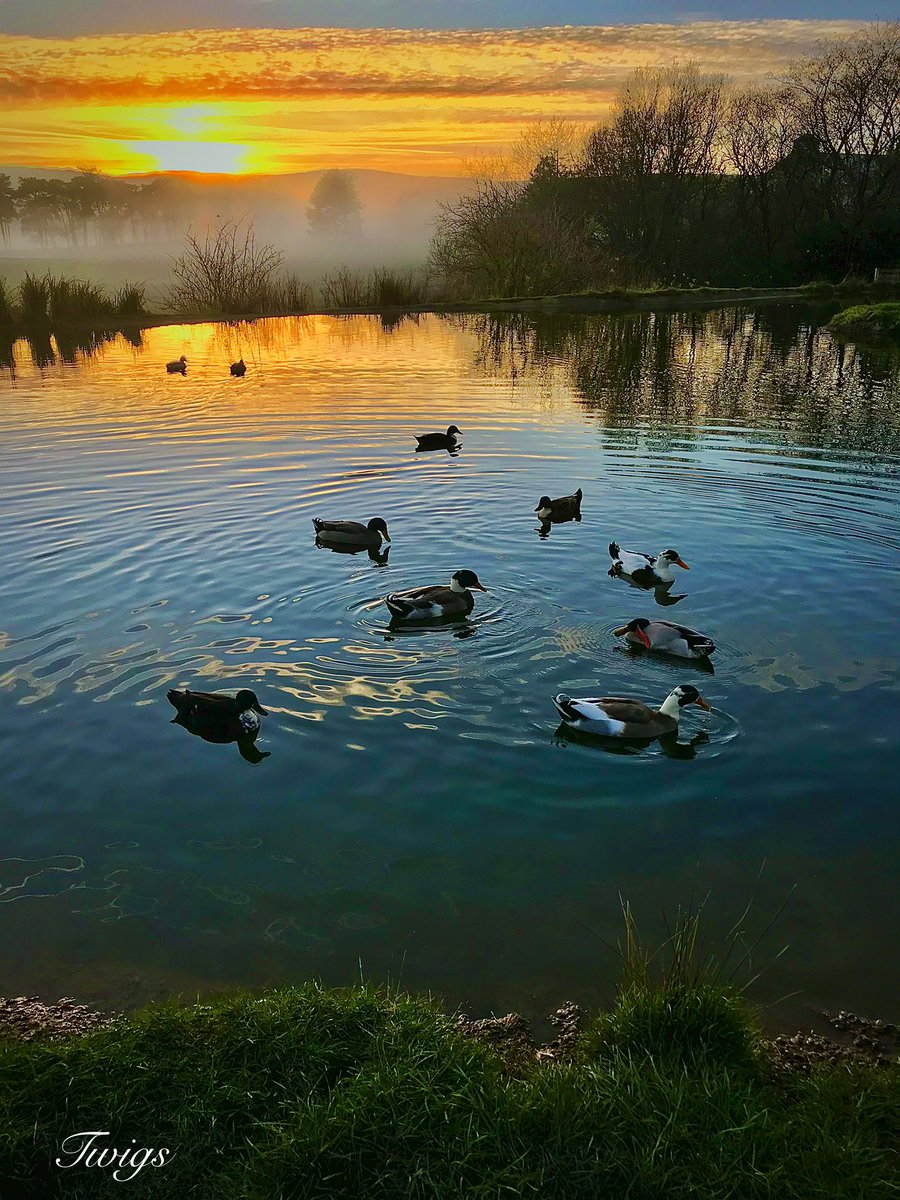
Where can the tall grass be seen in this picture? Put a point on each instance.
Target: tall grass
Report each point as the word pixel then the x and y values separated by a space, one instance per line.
pixel 226 273
pixel 6 310
pixel 54 300
pixel 382 287
pixel 34 299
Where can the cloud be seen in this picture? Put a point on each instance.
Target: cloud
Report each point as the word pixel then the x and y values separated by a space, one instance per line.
pixel 351 93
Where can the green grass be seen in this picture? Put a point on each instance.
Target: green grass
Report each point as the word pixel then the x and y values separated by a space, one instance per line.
pixel 358 1093
pixel 868 322
pixel 53 300
pixel 6 304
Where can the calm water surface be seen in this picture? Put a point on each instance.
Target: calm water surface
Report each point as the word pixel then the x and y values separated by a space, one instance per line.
pixel 419 818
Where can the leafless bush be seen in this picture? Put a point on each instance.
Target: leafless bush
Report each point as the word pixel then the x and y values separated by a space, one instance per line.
pixel 227 273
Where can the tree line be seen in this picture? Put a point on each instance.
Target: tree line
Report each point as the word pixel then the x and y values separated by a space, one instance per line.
pixel 693 180
pixel 91 207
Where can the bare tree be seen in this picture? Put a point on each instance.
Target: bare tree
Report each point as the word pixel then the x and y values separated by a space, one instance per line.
pixel 846 101
pixel 658 158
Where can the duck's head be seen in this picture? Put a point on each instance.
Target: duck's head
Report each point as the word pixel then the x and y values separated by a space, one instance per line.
pixel 686 694
pixel 544 502
pixel 466 581
pixel 453 431
pixel 674 558
pixel 638 627
pixel 246 699
pixel 183 360
pixel 379 525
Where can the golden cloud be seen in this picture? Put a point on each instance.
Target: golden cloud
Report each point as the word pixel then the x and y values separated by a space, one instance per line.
pixel 446 91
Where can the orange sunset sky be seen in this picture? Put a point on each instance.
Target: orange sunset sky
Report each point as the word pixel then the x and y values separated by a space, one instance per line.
pixel 279 100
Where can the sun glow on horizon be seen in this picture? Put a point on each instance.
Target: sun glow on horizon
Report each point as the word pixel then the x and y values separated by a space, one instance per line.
pixel 270 101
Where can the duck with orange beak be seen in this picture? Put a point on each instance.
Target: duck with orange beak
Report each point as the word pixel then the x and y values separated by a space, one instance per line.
pixel 666 637
pixel 619 716
pixel 648 570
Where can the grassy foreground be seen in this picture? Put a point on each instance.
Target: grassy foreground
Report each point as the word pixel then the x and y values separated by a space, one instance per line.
pixel 308 1092
pixel 869 322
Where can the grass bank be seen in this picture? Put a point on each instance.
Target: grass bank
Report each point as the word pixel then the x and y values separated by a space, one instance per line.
pixel 868 322
pixel 48 302
pixel 307 1092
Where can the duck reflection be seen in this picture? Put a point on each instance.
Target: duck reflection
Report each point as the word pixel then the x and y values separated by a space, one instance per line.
pixel 459 626
pixel 221 718
pixel 379 556
pixel 668 743
pixel 661 592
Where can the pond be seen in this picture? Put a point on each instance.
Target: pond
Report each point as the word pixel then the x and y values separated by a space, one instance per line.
pixel 420 817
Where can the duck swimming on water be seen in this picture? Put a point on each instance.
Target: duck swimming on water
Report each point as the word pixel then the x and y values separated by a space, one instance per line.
pixel 352 533
pixel 665 637
pixel 616 716
pixel 221 717
pixel 564 508
pixel 645 569
pixel 438 600
pixel 439 441
pixel 178 367
pixel 239 368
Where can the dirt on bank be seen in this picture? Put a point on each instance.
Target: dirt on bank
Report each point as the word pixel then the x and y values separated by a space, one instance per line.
pixel 856 1040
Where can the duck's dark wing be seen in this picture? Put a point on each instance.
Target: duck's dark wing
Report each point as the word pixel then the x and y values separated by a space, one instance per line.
pixel 435 594
pixel 629 712
pixel 355 528
pixel 212 702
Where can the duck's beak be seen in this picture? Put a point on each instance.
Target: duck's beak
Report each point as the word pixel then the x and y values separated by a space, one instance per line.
pixel 385 537
pixel 620 632
pixel 478 587
pixel 259 708
pixel 703 704
pixel 679 563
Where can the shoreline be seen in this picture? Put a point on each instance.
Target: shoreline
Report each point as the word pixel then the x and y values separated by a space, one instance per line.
pixel 614 301
pixel 852 1040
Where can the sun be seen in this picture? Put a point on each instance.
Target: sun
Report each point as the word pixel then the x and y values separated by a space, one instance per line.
pixel 209 158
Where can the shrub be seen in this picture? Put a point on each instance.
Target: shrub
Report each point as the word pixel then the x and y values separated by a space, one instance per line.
pixel 228 274
pixel 34 298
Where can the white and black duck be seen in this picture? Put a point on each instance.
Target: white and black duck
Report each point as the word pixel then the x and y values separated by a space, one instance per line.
pixel 648 570
pixel 666 637
pixel 438 600
pixel 618 716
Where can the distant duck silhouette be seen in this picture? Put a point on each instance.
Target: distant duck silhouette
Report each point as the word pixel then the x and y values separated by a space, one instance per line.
pixel 221 717
pixel 178 367
pixel 438 600
pixel 439 441
pixel 352 533
pixel 564 508
pixel 239 369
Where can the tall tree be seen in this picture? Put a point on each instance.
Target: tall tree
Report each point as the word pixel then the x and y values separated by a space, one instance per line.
pixel 334 206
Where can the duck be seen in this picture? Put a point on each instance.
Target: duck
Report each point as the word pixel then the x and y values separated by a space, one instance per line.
pixel 564 508
pixel 439 441
pixel 645 569
pixel 666 637
pixel 178 367
pixel 352 533
pixel 616 716
pixel 218 716
pixel 437 600
pixel 239 368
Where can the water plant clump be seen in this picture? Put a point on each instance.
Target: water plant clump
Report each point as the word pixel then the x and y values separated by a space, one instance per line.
pixel 868 322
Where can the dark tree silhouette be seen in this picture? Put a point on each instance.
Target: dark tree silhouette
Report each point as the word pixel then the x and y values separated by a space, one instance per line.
pixel 334 206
